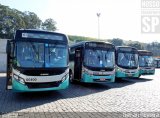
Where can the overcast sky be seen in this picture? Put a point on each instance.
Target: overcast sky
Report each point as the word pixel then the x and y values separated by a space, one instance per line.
pixel 118 19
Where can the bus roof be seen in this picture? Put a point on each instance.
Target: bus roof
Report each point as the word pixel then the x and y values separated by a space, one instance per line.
pixel 144 52
pixel 30 33
pixel 157 59
pixel 38 30
pixel 80 44
pixel 126 47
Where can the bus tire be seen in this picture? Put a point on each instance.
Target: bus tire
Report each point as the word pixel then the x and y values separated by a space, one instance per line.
pixel 117 79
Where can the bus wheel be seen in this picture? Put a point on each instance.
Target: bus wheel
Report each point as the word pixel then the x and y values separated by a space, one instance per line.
pixel 71 77
pixel 117 79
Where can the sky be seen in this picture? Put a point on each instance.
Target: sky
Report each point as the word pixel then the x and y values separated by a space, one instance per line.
pixel 118 19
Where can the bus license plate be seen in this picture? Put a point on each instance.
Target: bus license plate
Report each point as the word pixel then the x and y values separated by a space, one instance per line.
pixel 102 79
pixel 129 75
pixel 146 72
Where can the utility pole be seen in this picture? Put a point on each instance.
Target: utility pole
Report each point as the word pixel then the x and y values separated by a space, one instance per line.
pixel 98 16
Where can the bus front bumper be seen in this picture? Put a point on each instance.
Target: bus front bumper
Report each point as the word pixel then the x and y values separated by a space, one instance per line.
pixel 146 72
pixel 120 74
pixel 97 79
pixel 19 87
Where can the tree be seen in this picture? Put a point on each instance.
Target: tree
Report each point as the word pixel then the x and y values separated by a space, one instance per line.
pixel 135 44
pixel 9 22
pixel 154 47
pixel 49 24
pixel 12 19
pixel 32 21
pixel 117 42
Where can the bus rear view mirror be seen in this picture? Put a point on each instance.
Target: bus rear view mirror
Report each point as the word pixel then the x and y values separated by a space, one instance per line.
pixel 10 48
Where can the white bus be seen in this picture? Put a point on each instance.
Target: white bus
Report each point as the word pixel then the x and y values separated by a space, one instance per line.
pixel 92 62
pixel 126 62
pixel 37 61
pixel 146 63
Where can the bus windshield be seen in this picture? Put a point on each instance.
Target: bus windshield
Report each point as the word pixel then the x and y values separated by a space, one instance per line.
pixel 41 55
pixel 146 61
pixel 99 58
pixel 128 60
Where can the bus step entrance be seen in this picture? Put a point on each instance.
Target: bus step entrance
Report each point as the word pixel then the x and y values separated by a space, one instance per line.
pixel 9 84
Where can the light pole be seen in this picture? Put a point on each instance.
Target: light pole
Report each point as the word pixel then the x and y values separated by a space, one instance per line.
pixel 98 15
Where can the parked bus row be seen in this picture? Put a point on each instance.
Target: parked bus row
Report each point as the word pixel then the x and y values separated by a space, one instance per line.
pixel 44 61
pixel 157 62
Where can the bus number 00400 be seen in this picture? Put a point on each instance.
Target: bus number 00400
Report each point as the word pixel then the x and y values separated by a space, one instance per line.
pixel 31 79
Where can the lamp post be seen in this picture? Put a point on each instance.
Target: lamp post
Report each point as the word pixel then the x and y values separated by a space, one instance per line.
pixel 98 15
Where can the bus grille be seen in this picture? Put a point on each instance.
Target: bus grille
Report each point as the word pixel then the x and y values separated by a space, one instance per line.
pixel 43 85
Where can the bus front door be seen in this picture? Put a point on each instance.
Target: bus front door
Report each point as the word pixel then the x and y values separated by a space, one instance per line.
pixel 78 64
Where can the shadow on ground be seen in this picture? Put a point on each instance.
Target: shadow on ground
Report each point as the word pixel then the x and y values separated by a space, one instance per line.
pixel 10 101
pixel 141 79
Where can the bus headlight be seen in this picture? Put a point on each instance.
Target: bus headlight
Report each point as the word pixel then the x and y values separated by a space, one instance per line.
pixel 15 77
pixel 64 78
pixel 119 69
pixel 84 70
pixel 19 79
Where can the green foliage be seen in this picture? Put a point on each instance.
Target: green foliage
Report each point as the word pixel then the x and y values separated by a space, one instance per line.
pixel 135 44
pixel 80 38
pixel 153 47
pixel 9 21
pixel 31 20
pixel 12 19
pixel 116 41
pixel 49 24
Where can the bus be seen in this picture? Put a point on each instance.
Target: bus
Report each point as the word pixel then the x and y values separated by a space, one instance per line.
pixel 146 63
pixel 126 62
pixel 92 62
pixel 37 61
pixel 157 62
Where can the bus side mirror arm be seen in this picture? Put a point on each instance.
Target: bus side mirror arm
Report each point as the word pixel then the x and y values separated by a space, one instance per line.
pixel 10 48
